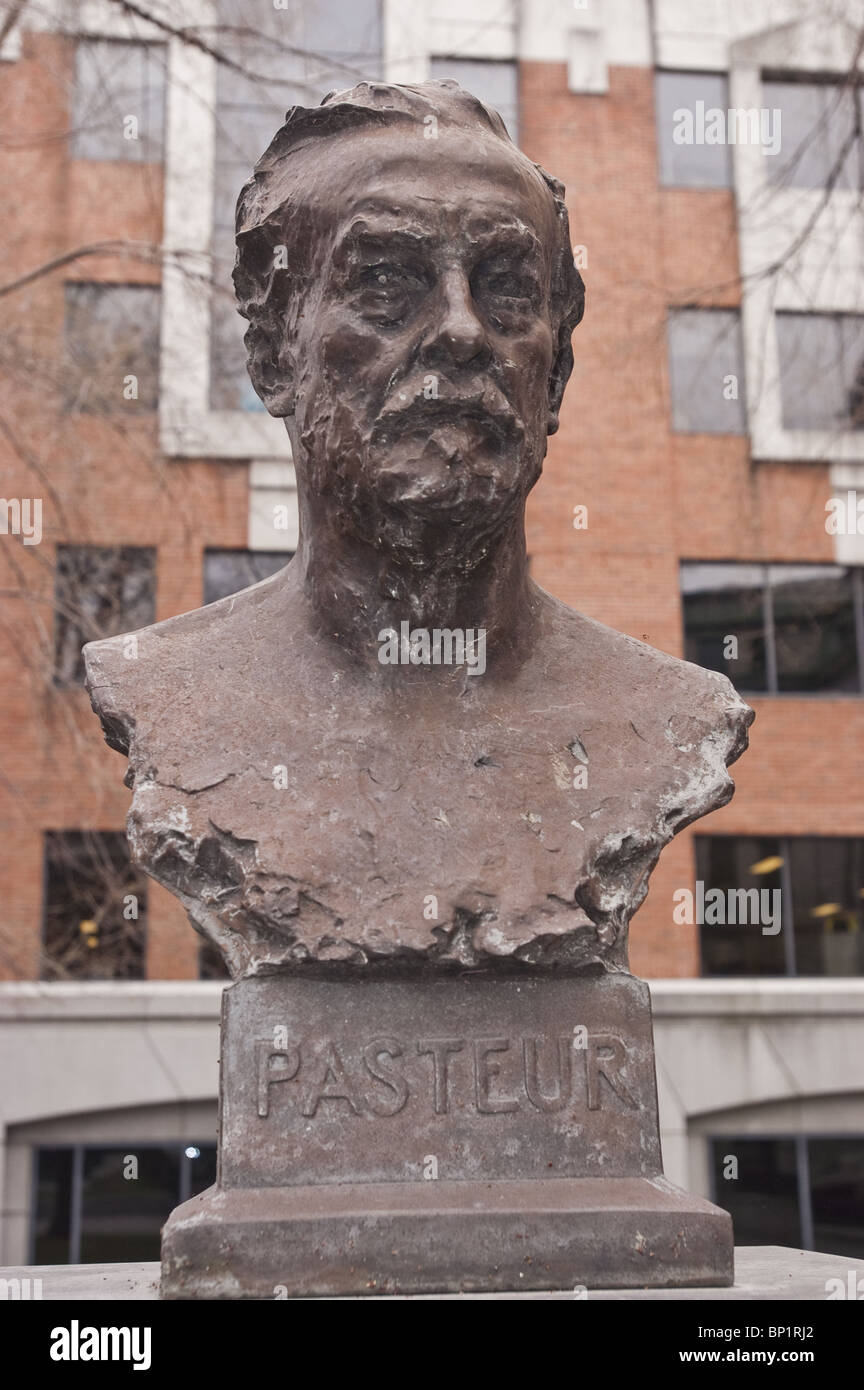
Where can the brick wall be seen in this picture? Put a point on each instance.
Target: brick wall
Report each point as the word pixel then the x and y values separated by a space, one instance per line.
pixel 654 498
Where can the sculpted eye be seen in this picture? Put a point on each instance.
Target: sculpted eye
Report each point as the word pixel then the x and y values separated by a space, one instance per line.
pixel 385 278
pixel 386 290
pixel 510 284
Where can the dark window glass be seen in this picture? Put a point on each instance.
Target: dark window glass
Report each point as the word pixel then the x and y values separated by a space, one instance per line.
pixel 228 571
pixel 822 881
pixel 724 621
pixel 739 864
pixel 122 1215
pixel 827 884
pixel 53 1206
pixel 706 371
pixel 776 628
pixel 819 142
pixel 113 1210
pixel 119 100
pixel 763 1199
pixel 686 159
pixel 814 628
pixel 111 338
pixel 821 370
pixel 202 1167
pixel 99 591
pixel 95 908
pixel 211 966
pixel 494 83
pixel 837 1188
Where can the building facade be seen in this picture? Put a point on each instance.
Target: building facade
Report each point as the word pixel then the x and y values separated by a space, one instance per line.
pixel 702 494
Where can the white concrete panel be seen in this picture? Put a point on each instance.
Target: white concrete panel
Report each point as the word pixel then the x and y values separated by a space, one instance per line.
pixel 274 522
pixel 799 249
pixel 697 36
pixel 624 25
pixel 406 41
pixel 481 29
pixel 846 478
pixel 586 62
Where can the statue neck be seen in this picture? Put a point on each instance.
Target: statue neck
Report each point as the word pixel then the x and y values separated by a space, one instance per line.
pixel 447 577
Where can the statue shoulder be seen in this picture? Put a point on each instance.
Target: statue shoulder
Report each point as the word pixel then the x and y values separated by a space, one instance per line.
pixel 134 678
pixel 687 703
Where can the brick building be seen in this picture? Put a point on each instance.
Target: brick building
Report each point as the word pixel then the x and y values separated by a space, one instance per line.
pixel 716 407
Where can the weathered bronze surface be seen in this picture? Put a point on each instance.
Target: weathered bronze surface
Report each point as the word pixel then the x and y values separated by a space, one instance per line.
pixel 349 812
pixel 411 301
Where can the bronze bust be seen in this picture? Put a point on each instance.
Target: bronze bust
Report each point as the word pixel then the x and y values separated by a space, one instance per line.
pixel 409 283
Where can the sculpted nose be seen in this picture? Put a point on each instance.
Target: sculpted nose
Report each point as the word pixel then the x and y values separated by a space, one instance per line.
pixel 457 332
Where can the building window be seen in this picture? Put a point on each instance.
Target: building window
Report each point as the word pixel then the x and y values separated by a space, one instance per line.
pixel 494 82
pixel 804 1191
pixel 685 102
pixel 296 56
pixel 95 908
pixel 706 371
pixel 777 629
pixel 101 1204
pixel 820 125
pixel 811 886
pixel 111 342
pixel 821 370
pixel 99 591
pixel 211 965
pixel 118 106
pixel 228 571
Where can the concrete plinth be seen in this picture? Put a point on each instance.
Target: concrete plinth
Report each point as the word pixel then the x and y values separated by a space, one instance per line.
pixel 433 1238
pixel 767 1273
pixel 463 1133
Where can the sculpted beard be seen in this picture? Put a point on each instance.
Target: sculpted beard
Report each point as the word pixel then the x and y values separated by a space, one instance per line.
pixel 425 467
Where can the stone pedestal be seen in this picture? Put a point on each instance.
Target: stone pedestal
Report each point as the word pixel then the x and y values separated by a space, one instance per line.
pixel 455 1132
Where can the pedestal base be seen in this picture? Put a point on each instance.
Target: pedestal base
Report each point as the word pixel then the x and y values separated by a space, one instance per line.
pixel 437 1236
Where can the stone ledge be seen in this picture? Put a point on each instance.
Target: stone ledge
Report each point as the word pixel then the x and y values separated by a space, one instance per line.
pixel 762 1273
pixel 37 1001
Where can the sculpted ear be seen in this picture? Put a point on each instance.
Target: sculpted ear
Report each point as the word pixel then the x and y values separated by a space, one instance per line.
pixel 558 378
pixel 562 365
pixel 264 296
pixel 271 369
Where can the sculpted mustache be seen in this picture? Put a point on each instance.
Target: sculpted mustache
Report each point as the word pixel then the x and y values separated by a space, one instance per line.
pixel 482 407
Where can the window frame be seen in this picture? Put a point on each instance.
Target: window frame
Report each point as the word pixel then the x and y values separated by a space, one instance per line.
pixel 663 70
pixel 787 906
pixel 129 623
pixel 772 693
pixel 161 66
pixel 679 311
pixel 137 883
pixel 804 1189
pixel 78 1150
pixel 107 287
pixel 770 221
pixel 839 320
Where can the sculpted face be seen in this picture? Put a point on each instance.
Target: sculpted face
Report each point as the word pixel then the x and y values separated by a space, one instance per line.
pixel 424 345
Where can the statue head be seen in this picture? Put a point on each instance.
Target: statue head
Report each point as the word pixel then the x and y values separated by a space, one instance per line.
pixel 409 283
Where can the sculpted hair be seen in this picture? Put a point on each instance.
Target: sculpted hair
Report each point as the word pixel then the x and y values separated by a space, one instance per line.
pixel 269 292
